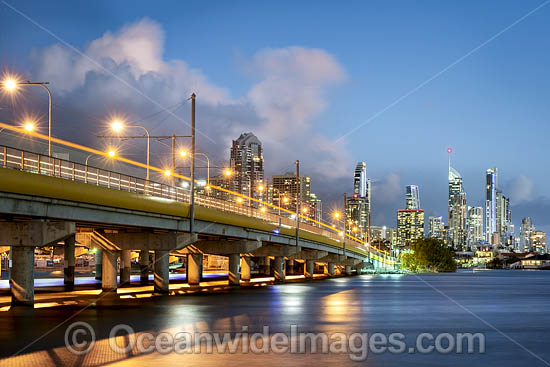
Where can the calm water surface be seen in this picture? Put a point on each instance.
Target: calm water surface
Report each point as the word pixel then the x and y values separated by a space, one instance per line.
pixel 511 309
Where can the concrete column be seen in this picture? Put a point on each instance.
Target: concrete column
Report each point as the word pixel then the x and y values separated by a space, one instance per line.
pixel 68 262
pixel 331 269
pixel 22 276
pixel 98 263
pixel 109 271
pixel 125 267
pixel 162 271
pixel 245 268
pixel 267 266
pixel 310 269
pixel 358 268
pixel 279 270
pixel 290 267
pixel 234 269
pixel 144 266
pixel 348 270
pixel 194 269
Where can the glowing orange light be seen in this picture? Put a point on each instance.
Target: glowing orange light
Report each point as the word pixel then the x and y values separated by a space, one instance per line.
pixel 336 215
pixel 167 172
pixel 117 125
pixel 228 172
pixel 183 153
pixel 261 187
pixel 304 210
pixel 29 126
pixel 263 209
pixel 239 200
pixel 285 200
pixel 111 153
pixel 10 84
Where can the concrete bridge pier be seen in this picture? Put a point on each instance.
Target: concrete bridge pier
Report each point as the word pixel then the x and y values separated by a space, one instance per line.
pixel 279 270
pixel 22 276
pixel 194 268
pixel 125 267
pixel 109 271
pixel 331 269
pixel 68 262
pixel 234 273
pixel 245 268
pixel 24 237
pixel 310 269
pixel 144 267
pixel 162 272
pixel 267 266
pixel 98 263
pixel 290 267
pixel 347 270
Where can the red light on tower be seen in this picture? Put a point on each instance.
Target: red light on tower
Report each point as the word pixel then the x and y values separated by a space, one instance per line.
pixel 449 150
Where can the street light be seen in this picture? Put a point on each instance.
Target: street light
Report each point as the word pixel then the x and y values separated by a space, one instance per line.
pixel 29 126
pixel 228 172
pixel 184 154
pixel 111 154
pixel 118 126
pixel 11 85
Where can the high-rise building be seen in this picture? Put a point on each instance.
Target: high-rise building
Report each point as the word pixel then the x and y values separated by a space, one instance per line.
pixel 457 210
pixel 247 165
pixel 412 197
pixel 410 226
pixel 474 225
pixel 525 234
pixel 284 192
pixel 358 206
pixel 538 242
pixel 504 226
pixel 436 227
pixel 491 185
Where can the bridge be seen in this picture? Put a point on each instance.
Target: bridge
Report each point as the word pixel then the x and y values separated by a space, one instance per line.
pixel 46 201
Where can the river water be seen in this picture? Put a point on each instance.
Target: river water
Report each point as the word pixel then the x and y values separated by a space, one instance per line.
pixel 510 309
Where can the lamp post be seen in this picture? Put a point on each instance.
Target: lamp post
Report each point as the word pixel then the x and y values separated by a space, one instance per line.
pixel 118 126
pixel 111 153
pixel 184 154
pixel 11 85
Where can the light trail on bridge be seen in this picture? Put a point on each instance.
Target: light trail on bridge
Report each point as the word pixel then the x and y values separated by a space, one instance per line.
pixel 84 148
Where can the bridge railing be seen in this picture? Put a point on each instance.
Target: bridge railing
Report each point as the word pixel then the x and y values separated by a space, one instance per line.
pixel 56 167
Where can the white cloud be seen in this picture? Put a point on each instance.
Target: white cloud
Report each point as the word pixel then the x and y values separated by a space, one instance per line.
pixel 280 108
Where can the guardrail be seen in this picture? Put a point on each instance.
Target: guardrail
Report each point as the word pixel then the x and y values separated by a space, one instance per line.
pixel 41 164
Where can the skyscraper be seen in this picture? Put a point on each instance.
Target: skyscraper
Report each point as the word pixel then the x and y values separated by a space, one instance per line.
pixel 491 184
pixel 457 210
pixel 436 227
pixel 504 226
pixel 410 226
pixel 358 206
pixel 525 233
pixel 474 225
pixel 247 165
pixel 412 197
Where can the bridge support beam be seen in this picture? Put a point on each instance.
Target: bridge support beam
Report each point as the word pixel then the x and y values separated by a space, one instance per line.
pixel 109 271
pixel 162 272
pixel 125 267
pixel 279 270
pixel 22 276
pixel 310 269
pixel 194 268
pixel 98 263
pixel 144 266
pixel 331 269
pixel 347 270
pixel 290 266
pixel 267 266
pixel 234 269
pixel 68 262
pixel 245 268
